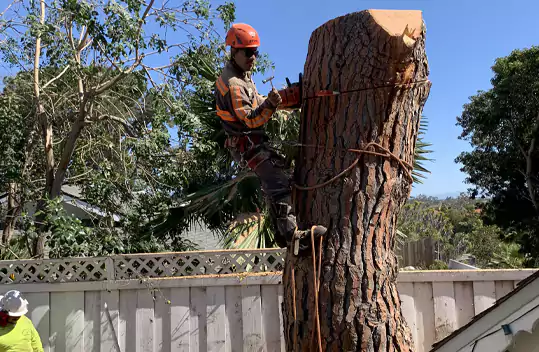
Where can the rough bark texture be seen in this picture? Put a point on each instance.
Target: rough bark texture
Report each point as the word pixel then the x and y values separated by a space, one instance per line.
pixel 366 56
pixel 46 126
pixel 13 210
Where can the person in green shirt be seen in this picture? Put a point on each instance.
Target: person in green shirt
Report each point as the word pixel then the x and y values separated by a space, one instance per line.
pixel 17 332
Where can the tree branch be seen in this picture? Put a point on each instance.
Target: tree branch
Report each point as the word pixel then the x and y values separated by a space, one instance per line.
pixel 8 7
pixel 141 23
pixel 40 113
pixel 103 87
pixel 166 49
pixel 69 29
pixel 515 136
pixel 127 126
pixel 56 78
pixel 82 38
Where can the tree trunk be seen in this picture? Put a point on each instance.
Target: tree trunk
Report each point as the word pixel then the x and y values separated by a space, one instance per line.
pixel 376 60
pixel 13 208
pixel 46 129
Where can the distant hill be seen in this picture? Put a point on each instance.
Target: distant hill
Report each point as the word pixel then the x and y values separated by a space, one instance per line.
pixel 447 195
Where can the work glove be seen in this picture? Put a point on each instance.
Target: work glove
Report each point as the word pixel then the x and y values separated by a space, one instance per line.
pixel 274 97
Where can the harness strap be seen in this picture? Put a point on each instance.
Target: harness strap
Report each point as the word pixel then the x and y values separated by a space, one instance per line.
pixel 247 144
pixel 257 159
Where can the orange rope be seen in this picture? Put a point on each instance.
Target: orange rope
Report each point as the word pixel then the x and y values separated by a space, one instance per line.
pixel 387 154
pixel 316 285
pixel 293 278
pixel 320 261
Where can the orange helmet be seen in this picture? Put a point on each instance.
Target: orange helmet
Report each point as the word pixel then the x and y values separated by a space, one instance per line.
pixel 242 35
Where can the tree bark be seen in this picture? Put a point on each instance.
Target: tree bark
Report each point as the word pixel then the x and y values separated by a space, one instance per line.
pixel 376 60
pixel 46 130
pixel 13 209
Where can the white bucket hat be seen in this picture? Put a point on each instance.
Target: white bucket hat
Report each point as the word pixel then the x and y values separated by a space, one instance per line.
pixel 13 303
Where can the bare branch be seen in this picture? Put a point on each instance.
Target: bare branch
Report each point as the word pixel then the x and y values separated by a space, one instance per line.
pixel 82 38
pixel 163 67
pixel 103 87
pixel 127 126
pixel 166 49
pixel 46 126
pixel 8 7
pixel 69 28
pixel 56 78
pixel 88 43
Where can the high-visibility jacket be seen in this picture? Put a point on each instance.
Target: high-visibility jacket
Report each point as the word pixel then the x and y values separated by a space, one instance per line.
pixel 239 106
pixel 20 337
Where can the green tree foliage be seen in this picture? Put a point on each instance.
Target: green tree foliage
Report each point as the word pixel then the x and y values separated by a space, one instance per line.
pixel 95 111
pixel 457 225
pixel 91 105
pixel 502 126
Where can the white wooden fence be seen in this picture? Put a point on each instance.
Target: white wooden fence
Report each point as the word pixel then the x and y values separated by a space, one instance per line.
pixel 212 312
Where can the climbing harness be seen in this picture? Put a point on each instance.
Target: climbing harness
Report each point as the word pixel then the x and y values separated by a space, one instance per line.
pixel 245 145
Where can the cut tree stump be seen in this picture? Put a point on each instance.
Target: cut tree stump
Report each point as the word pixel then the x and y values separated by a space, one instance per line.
pixel 376 60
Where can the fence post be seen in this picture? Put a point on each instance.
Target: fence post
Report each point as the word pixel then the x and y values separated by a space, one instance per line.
pixel 109 268
pixel 428 252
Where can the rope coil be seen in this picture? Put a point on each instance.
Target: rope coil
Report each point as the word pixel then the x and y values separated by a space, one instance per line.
pixel 387 154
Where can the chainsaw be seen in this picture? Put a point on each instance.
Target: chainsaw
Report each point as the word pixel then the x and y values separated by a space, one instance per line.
pixel 292 97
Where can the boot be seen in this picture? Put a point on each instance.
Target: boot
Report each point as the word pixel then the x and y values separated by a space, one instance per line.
pixel 302 239
pixel 287 228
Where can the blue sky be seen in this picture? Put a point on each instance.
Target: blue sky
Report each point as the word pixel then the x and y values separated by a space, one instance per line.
pixel 463 40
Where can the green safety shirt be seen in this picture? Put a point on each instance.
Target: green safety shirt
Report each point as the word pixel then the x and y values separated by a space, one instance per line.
pixel 20 337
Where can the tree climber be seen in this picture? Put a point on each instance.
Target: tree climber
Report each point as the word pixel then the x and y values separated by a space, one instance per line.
pixel 243 114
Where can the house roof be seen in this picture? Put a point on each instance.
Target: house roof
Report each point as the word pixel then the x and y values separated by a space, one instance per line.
pixel 73 196
pixel 520 287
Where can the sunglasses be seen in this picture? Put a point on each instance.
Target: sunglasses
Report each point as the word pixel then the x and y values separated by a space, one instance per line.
pixel 250 52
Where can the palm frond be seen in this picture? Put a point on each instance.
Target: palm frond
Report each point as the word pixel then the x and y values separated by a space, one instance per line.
pixel 421 152
pixel 214 205
pixel 249 231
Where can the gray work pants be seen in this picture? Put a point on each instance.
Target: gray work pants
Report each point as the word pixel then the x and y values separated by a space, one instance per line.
pixel 276 185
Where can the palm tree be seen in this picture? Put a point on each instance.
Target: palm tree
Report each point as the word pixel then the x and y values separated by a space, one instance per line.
pixel 235 207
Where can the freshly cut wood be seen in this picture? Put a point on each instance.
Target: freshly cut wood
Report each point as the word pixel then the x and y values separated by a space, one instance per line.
pixel 376 60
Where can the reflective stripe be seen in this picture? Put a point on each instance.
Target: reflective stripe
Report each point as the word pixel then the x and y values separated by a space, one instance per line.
pixel 259 121
pixel 220 84
pixel 237 102
pixel 242 113
pixel 225 115
pixel 266 114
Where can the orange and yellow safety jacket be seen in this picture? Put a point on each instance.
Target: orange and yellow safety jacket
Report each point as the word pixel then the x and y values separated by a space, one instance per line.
pixel 239 106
